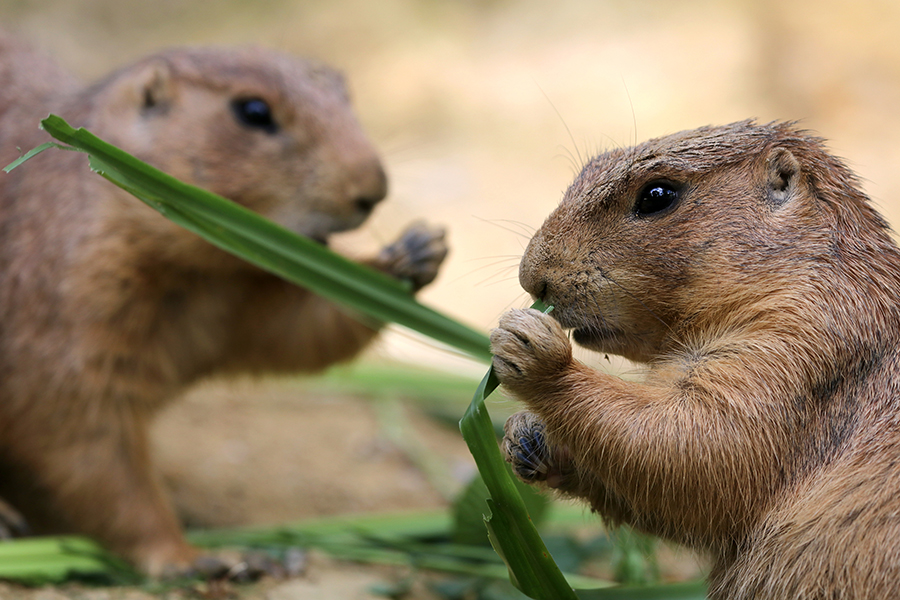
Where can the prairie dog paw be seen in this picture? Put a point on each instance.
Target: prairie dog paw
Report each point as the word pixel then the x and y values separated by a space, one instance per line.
pixel 532 458
pixel 416 255
pixel 528 347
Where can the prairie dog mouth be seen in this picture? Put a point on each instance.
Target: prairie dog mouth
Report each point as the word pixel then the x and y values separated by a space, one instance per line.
pixel 585 333
pixel 594 337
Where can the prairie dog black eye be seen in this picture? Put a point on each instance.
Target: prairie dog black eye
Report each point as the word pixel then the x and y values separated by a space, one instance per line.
pixel 656 197
pixel 254 112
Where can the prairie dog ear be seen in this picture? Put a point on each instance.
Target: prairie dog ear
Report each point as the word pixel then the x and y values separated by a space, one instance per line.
pixel 147 87
pixel 782 176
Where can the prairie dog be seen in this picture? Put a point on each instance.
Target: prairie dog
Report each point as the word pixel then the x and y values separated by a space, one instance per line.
pixel 745 268
pixel 108 310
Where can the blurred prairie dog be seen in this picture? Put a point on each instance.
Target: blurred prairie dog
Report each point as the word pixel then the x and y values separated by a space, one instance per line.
pixel 108 310
pixel 745 268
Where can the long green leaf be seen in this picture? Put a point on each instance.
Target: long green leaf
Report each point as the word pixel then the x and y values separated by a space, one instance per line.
pixel 510 528
pixel 256 239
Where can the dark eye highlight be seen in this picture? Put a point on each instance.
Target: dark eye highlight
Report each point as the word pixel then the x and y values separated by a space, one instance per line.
pixel 656 197
pixel 254 112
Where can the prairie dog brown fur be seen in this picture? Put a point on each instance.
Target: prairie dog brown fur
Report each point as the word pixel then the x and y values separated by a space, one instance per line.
pixel 108 310
pixel 743 266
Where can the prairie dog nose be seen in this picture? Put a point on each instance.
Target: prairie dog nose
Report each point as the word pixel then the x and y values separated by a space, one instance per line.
pixel 367 185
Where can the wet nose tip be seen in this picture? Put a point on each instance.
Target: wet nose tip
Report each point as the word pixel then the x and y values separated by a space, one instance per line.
pixel 370 188
pixel 366 203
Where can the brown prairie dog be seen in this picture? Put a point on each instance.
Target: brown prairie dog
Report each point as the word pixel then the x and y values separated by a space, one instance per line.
pixel 743 266
pixel 108 310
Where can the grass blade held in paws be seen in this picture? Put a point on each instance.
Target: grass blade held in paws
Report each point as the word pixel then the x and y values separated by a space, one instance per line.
pixel 511 531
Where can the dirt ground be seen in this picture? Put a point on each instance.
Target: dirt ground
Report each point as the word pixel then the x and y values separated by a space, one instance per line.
pixel 251 453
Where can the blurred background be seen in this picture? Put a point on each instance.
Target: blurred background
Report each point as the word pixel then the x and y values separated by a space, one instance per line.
pixel 484 109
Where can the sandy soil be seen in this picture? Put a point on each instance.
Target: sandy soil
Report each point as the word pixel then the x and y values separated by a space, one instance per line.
pixel 244 453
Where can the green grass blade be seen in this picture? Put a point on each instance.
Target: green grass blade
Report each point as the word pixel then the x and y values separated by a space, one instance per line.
pixel 400 539
pixel 269 246
pixel 54 559
pixel 511 530
pixel 514 536
pixel 32 153
pixel 693 590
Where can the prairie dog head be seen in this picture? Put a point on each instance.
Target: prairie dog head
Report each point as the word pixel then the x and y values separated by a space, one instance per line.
pixel 703 229
pixel 269 131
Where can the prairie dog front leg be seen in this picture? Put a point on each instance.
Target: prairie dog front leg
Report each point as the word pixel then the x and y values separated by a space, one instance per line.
pixel 415 256
pixel 529 348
